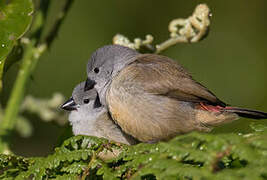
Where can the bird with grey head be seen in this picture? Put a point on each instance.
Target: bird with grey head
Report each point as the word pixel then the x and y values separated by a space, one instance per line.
pixel 88 117
pixel 152 97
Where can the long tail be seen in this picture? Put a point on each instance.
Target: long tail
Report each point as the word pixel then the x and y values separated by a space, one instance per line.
pixel 247 113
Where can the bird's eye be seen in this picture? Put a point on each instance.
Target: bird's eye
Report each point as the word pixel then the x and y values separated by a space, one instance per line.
pixel 86 101
pixel 96 70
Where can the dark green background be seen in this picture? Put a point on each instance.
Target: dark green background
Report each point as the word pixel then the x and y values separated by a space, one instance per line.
pixel 231 61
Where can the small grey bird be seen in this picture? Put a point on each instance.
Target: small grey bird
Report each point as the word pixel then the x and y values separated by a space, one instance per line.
pixel 152 97
pixel 88 117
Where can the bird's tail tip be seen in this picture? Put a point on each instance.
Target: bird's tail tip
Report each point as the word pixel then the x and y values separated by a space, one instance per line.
pixel 247 113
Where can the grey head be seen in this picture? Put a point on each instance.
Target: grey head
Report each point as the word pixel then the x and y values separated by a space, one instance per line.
pixel 86 113
pixel 105 63
pixel 82 98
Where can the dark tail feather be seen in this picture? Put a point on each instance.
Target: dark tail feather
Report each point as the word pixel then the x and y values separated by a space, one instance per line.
pixel 247 113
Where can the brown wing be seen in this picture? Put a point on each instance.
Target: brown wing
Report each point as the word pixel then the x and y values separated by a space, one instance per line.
pixel 138 99
pixel 163 76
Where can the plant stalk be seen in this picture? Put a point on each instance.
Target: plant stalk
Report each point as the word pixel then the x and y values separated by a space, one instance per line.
pixel 29 61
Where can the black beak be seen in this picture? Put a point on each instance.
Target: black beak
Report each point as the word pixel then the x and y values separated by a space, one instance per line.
pixel 89 84
pixel 69 105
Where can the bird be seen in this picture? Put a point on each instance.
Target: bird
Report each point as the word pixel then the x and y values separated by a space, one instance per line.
pixel 88 117
pixel 153 98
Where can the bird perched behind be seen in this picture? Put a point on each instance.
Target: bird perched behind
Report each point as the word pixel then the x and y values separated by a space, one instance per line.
pixel 88 117
pixel 152 97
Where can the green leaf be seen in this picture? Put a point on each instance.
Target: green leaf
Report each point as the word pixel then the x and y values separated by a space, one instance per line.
pixel 15 19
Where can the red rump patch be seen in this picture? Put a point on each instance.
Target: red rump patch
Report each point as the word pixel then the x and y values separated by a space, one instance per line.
pixel 208 107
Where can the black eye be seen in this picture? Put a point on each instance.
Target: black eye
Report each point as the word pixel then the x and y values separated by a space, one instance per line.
pixel 96 70
pixel 86 101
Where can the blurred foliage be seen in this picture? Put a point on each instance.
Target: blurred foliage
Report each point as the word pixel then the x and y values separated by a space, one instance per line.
pixel 191 156
pixel 15 19
pixel 45 109
pixel 182 30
